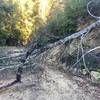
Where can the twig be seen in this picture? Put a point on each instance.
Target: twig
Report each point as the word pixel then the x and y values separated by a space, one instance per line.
pixel 96 17
pixel 83 57
pixel 12 56
pixel 98 47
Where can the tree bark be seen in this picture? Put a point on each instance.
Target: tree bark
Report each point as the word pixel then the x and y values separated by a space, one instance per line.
pixel 75 35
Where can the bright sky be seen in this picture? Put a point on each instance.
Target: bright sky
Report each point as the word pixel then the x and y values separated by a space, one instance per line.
pixel 44 8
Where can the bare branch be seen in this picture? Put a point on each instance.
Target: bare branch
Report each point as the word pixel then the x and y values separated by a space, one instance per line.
pixel 89 3
pixel 83 57
pixel 75 35
pixel 98 47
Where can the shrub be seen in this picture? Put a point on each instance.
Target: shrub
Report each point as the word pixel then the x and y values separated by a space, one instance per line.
pixel 65 22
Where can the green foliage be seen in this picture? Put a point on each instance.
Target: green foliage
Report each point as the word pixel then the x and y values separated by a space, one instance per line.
pixel 76 7
pixel 5 22
pixel 65 22
pixel 21 19
pixel 42 40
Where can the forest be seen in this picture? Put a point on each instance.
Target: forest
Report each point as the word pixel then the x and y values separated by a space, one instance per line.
pixel 49 49
pixel 22 20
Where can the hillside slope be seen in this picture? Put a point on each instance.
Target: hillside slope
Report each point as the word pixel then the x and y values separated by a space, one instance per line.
pixel 47 77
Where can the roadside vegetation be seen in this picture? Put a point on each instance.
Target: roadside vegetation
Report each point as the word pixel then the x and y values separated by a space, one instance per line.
pixel 22 20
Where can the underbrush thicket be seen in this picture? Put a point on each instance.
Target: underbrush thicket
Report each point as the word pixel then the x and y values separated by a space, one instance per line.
pixel 64 22
pixel 20 23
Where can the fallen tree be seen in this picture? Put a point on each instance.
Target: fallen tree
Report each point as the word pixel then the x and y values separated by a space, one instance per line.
pixel 34 46
pixel 62 41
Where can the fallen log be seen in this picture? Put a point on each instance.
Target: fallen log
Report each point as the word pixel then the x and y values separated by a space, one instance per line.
pixel 62 41
pixel 75 35
pixel 33 46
